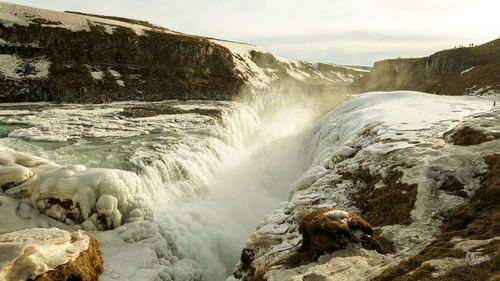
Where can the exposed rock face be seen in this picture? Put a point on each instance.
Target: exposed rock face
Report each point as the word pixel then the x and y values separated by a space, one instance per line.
pixel 95 66
pixel 74 57
pixel 87 267
pixel 472 70
pixel 54 254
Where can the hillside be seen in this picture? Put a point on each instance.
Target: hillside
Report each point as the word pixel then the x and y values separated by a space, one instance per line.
pixel 459 71
pixel 74 57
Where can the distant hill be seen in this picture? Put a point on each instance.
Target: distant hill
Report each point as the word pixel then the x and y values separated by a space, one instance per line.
pixel 459 71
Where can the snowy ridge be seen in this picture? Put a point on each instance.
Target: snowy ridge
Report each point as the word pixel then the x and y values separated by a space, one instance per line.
pixel 260 74
pixel 11 14
pixel 380 132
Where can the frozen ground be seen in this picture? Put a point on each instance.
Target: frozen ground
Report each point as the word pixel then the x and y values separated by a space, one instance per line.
pixel 378 132
pixel 11 14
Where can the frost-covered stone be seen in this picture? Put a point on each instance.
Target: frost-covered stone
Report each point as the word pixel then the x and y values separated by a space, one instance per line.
pixel 73 192
pixel 31 252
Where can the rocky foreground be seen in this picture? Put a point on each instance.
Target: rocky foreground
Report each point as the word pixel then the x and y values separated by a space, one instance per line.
pixel 42 254
pixel 423 170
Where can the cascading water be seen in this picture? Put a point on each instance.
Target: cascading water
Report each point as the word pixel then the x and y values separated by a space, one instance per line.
pixel 208 180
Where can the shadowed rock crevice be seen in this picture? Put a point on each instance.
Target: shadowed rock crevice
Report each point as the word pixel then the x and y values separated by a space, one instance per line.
pixel 466 136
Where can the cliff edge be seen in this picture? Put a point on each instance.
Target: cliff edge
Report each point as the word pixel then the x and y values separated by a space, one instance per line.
pixel 459 71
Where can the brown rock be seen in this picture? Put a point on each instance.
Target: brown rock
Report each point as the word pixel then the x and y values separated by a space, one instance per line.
pixel 87 267
pixel 322 233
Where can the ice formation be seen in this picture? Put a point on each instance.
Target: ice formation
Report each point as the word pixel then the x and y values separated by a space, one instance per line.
pixel 28 253
pixel 73 194
pixel 381 133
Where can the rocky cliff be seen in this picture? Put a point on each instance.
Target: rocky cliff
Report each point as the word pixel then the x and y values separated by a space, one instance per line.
pixel 74 57
pixel 459 71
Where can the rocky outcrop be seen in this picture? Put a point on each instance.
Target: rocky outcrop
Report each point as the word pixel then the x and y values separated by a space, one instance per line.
pixel 49 254
pixel 459 71
pixel 87 267
pixel 324 231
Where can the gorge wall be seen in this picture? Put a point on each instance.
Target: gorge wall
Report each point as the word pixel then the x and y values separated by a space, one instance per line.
pixel 74 57
pixel 459 71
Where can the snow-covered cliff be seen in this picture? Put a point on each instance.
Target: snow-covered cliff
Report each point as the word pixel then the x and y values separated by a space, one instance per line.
pixel 406 162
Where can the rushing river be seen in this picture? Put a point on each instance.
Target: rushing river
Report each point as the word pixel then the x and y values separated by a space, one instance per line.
pixel 211 170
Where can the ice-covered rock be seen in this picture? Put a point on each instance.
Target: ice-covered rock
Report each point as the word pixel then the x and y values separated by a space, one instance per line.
pixel 28 253
pixel 73 192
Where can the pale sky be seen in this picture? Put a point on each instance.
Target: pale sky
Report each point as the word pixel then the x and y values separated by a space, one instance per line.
pixel 352 32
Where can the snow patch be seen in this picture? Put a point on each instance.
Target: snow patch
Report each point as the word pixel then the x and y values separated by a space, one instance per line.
pixel 465 71
pixel 97 75
pixel 13 67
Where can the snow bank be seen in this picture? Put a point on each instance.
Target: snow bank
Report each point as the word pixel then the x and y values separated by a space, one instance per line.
pixel 379 132
pixel 28 253
pixel 96 198
pixel 143 250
